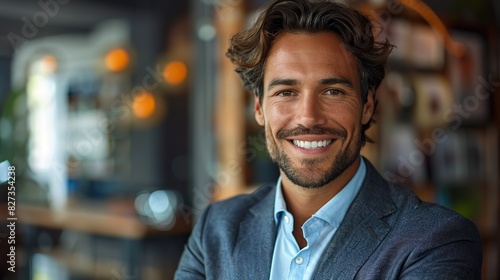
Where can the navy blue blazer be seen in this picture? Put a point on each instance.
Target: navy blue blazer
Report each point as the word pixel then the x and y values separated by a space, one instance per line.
pixel 387 233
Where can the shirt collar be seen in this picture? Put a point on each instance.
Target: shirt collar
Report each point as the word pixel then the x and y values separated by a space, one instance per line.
pixel 279 202
pixel 334 210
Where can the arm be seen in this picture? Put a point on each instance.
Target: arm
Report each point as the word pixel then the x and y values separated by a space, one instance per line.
pixel 192 264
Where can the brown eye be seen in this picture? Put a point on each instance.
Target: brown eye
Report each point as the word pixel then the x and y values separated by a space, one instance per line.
pixel 284 93
pixel 334 92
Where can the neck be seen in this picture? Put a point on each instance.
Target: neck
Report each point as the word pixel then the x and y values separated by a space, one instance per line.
pixel 304 202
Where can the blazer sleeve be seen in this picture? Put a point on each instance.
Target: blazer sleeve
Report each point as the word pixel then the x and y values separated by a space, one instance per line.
pixel 452 251
pixel 192 262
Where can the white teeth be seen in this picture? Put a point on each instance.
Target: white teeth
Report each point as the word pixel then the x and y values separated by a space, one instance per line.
pixel 311 144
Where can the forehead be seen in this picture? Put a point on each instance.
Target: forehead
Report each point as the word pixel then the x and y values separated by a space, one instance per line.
pixel 310 55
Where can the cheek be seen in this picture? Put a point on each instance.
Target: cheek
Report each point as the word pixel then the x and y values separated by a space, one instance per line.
pixel 276 117
pixel 347 116
pixel 352 107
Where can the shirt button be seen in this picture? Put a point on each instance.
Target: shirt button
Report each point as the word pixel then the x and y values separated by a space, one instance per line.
pixel 299 260
pixel 287 220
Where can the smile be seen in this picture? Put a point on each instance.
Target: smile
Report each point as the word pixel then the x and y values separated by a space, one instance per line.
pixel 312 144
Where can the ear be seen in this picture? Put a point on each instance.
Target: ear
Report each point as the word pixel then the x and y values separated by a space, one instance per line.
pixel 368 108
pixel 259 115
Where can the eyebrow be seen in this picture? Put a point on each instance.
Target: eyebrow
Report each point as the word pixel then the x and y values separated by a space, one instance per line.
pixel 323 82
pixel 333 81
pixel 282 82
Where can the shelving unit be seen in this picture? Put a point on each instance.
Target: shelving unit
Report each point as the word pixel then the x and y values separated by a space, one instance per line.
pixel 437 131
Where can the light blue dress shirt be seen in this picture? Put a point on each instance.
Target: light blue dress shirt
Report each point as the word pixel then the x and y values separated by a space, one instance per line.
pixel 290 262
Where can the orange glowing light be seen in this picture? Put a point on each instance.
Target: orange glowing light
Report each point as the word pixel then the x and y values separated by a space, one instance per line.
pixel 144 105
pixel 117 59
pixel 175 72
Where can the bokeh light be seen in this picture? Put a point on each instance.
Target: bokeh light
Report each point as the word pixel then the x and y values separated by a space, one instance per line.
pixel 158 208
pixel 48 64
pixel 175 72
pixel 144 105
pixel 117 59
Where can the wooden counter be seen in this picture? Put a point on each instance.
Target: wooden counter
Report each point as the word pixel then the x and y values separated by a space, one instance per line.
pixel 95 220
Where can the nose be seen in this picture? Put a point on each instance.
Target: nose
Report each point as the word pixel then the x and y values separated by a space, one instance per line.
pixel 310 110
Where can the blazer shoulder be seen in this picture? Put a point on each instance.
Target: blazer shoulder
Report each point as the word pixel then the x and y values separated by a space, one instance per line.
pixel 411 212
pixel 436 235
pixel 235 207
pixel 433 217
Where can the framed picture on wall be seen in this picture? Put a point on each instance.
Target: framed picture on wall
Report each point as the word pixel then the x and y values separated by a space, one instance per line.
pixel 449 161
pixel 433 98
pixel 467 75
pixel 403 160
pixel 427 51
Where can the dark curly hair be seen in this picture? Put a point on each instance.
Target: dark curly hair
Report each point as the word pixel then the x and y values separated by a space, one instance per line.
pixel 249 49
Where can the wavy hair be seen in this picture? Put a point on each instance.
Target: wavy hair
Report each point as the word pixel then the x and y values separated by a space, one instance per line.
pixel 249 49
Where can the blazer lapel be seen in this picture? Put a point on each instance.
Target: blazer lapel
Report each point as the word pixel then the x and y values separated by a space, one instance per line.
pixel 256 237
pixel 361 231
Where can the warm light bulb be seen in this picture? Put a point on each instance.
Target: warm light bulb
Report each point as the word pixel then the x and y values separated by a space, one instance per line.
pixel 117 59
pixel 144 105
pixel 175 72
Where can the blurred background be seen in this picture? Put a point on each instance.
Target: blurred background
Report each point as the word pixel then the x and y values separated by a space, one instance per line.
pixel 124 120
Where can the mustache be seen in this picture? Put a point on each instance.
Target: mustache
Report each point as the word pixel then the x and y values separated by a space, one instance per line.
pixel 315 130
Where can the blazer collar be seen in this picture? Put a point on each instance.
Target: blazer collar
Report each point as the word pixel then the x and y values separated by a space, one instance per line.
pixel 361 231
pixel 256 237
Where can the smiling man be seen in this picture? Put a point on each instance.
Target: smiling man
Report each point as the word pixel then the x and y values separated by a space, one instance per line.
pixel 314 68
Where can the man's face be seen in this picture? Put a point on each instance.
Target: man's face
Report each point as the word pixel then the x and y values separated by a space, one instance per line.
pixel 312 108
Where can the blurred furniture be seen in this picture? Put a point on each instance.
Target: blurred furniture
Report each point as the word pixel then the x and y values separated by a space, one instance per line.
pixel 95 221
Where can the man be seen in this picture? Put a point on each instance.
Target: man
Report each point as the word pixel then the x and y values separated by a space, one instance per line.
pixel 314 68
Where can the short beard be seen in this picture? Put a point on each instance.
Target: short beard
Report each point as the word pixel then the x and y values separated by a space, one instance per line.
pixel 342 161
